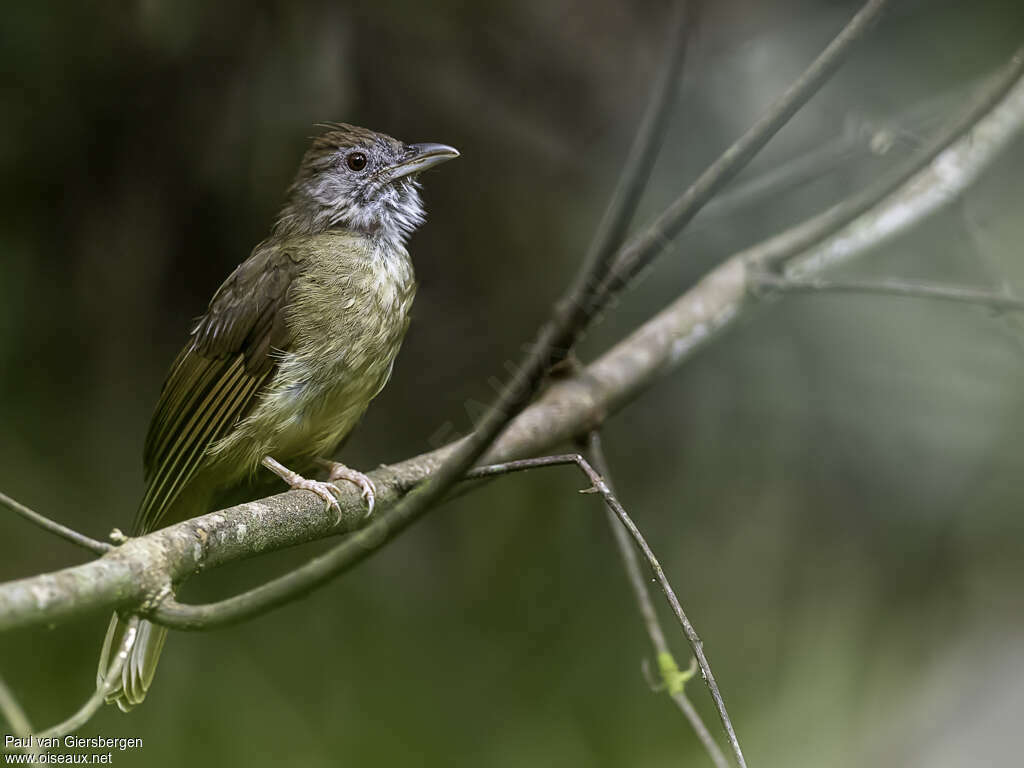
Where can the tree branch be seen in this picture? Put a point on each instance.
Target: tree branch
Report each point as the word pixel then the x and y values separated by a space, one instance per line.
pixel 94 702
pixel 15 716
pixel 862 139
pixel 611 230
pixel 619 515
pixel 641 250
pixel 691 634
pixel 672 679
pixel 997 302
pixel 946 176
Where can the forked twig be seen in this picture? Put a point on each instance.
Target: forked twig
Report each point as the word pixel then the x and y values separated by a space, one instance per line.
pixel 671 678
pixel 641 250
pixel 599 485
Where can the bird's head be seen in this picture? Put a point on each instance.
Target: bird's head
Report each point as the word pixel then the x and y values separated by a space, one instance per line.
pixel 362 180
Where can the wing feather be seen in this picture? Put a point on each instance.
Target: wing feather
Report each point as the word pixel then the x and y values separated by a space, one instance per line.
pixel 217 377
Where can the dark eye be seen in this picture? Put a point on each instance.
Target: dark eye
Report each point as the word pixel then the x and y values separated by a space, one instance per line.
pixel 356 161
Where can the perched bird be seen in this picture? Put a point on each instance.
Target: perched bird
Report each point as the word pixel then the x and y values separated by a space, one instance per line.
pixel 290 351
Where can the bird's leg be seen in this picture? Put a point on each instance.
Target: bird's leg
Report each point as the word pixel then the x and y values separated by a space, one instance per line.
pixel 339 471
pixel 325 491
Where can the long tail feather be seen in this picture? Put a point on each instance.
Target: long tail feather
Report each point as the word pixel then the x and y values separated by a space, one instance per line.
pixel 140 666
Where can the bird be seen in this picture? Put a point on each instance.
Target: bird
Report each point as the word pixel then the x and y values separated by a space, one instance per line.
pixel 291 350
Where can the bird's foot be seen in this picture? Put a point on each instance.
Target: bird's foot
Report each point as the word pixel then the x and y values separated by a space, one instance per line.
pixel 338 471
pixel 297 482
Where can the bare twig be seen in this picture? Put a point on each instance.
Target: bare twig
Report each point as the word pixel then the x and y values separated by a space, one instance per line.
pixel 642 249
pixel 599 485
pixel 691 634
pixel 671 678
pixel 862 138
pixel 776 251
pixel 111 680
pixel 993 270
pixel 16 718
pixel 996 301
pixel 97 547
pixel 795 173
pixel 611 230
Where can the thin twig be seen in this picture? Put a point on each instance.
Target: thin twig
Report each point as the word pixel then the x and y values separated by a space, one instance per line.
pixel 808 166
pixel 16 718
pixel 110 681
pixel 611 230
pixel 97 547
pixel 911 289
pixel 643 248
pixel 595 454
pixel 862 139
pixel 691 634
pixel 599 485
pixel 776 251
pixel 994 271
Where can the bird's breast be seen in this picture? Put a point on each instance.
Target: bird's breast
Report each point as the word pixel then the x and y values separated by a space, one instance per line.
pixel 348 313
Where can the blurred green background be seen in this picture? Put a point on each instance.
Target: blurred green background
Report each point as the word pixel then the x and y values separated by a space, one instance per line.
pixel 834 486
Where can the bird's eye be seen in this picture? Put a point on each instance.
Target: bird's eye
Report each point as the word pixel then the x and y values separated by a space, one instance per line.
pixel 356 161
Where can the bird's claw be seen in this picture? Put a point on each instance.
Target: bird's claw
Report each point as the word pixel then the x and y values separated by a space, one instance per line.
pixel 326 491
pixel 368 491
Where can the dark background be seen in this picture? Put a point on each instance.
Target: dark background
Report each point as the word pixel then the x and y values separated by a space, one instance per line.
pixel 834 486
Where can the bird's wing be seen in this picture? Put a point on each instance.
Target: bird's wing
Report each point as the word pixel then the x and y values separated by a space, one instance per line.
pixel 218 375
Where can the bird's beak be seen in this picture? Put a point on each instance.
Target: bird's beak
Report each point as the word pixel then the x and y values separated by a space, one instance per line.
pixel 419 157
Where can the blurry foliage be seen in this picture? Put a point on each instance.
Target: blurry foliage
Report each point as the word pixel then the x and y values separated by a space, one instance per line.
pixel 835 487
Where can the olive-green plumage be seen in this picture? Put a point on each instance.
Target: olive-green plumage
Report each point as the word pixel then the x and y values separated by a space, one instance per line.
pixel 292 347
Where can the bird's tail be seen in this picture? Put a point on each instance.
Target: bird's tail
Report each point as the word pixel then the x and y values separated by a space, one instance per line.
pixel 140 666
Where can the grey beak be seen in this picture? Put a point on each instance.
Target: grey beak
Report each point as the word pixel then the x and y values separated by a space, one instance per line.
pixel 419 157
